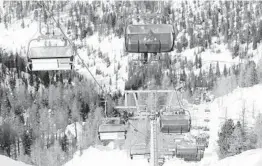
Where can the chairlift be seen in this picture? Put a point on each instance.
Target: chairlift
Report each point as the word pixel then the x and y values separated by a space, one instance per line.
pixel 139 152
pixel 206 128
pixel 178 123
pixel 206 120
pixel 202 142
pixel 51 57
pixel 149 38
pixel 112 129
pixel 187 152
pixel 207 110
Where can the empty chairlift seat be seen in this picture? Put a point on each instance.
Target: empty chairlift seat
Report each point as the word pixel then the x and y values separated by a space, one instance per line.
pixel 149 38
pixel 139 152
pixel 51 58
pixel 206 119
pixel 112 132
pixel 179 123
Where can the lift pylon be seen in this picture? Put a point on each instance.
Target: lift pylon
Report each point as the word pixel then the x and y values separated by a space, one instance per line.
pixel 152 111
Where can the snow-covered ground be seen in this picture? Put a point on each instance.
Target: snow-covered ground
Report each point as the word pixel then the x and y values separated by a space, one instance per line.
pixel 115 157
pixel 251 158
pixel 6 161
pixel 105 156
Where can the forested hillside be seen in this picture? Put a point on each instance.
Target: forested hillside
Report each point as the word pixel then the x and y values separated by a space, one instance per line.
pixel 36 108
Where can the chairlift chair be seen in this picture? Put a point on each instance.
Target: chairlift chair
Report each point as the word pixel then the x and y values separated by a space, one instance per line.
pixel 52 57
pixel 178 123
pixel 139 152
pixel 149 38
pixel 207 110
pixel 206 128
pixel 114 130
pixel 206 120
pixel 187 152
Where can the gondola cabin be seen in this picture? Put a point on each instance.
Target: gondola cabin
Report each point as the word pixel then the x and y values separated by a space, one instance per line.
pixel 179 123
pixel 50 58
pixel 149 38
pixel 112 132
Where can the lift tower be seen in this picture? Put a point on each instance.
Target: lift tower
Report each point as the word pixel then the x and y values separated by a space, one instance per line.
pixel 152 111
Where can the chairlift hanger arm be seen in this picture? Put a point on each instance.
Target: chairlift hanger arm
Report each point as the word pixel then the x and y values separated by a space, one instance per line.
pixel 72 44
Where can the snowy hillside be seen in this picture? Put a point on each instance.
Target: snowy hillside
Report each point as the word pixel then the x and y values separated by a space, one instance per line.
pixel 110 68
pixel 6 161
pixel 251 158
pixel 56 114
pixel 105 156
pixel 115 157
pixel 231 106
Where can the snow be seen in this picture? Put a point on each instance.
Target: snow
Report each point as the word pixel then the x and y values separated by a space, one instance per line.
pixel 6 161
pixel 251 158
pixel 14 38
pixel 108 156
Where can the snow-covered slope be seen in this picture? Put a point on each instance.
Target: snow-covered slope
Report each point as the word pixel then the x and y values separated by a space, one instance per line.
pixel 108 156
pixel 114 157
pixel 251 158
pixel 6 161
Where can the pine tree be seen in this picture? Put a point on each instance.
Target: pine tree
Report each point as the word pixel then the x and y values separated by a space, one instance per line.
pixel 27 141
pixel 23 24
pixel 254 36
pixel 31 79
pixel 196 61
pixel 84 110
pixel 252 78
pixel 37 86
pixel 224 138
pixel 61 78
pixel 211 77
pixel 259 35
pixel 46 79
pixel 242 76
pixel 200 62
pixel 225 71
pixel 258 130
pixel 64 142
pixel 217 70
pixel 236 140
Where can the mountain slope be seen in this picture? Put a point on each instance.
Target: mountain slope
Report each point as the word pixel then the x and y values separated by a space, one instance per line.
pixel 6 161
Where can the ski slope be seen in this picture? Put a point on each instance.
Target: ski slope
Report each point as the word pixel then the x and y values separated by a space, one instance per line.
pixel 108 156
pixel 6 161
pixel 251 158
